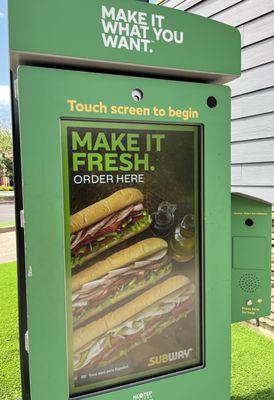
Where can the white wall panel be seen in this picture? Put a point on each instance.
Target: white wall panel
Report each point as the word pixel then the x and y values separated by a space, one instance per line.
pixel 244 11
pixel 258 54
pixel 256 151
pixel 181 4
pixel 258 78
pixel 209 7
pixel 253 104
pixel 253 174
pixel 257 30
pixel 256 127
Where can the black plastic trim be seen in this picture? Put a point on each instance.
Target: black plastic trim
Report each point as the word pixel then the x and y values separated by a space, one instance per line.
pixel 20 247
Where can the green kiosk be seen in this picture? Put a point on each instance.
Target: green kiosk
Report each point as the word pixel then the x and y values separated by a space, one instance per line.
pixel 125 253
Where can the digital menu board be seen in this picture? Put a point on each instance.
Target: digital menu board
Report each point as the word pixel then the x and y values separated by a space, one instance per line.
pixel 133 234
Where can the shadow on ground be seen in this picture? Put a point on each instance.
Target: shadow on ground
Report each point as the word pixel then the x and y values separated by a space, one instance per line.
pixel 263 395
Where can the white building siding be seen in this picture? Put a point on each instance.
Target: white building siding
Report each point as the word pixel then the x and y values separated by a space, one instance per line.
pixel 252 94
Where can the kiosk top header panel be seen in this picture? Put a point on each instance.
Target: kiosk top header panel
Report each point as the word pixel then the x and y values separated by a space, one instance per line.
pixel 123 35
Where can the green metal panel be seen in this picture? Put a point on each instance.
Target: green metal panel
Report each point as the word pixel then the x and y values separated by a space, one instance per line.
pixel 43 95
pixel 251 258
pixel 61 32
pixel 249 252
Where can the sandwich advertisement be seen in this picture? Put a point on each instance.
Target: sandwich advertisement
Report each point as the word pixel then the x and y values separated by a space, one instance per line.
pixel 133 240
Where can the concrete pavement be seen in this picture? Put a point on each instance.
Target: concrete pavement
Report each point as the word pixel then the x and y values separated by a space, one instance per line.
pixel 7 247
pixel 7 239
pixel 7 212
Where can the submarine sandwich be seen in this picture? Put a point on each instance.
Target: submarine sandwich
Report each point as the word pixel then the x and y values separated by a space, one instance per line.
pixel 118 276
pixel 107 339
pixel 106 223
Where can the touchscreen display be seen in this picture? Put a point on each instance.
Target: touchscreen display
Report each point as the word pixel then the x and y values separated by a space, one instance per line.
pixel 133 225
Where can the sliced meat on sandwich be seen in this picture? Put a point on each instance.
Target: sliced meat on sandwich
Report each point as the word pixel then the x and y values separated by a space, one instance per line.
pixel 106 223
pixel 107 339
pixel 118 276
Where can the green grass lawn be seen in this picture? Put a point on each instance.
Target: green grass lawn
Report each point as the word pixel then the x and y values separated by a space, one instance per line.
pixel 252 359
pixel 9 357
pixel 252 365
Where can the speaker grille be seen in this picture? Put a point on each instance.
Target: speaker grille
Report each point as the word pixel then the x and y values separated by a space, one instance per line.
pixel 249 283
